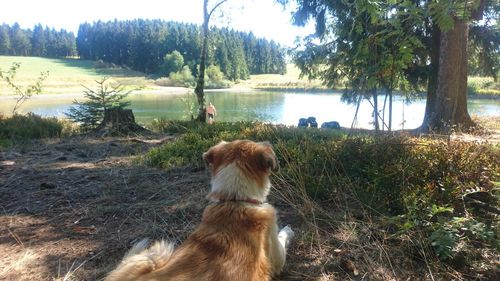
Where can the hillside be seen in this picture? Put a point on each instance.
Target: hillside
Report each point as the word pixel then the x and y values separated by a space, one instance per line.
pixel 67 75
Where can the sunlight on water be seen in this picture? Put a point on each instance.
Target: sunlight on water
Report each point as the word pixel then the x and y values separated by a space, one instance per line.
pixel 276 107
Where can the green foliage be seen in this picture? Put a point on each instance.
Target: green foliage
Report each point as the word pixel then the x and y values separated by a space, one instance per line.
pixel 143 44
pixel 214 78
pixel 25 127
pixel 90 113
pixel 43 42
pixel 183 78
pixel 482 86
pixel 172 62
pixel 418 183
pixel 23 93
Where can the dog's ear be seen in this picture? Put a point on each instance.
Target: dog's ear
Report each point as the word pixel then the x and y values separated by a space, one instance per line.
pixel 268 158
pixel 208 156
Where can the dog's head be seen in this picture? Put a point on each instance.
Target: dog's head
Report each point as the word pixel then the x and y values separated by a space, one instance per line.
pixel 240 169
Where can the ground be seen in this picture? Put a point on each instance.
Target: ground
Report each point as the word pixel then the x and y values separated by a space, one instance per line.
pixel 71 207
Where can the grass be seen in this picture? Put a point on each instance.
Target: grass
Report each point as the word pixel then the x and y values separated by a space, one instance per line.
pixel 396 201
pixel 290 80
pixel 67 76
pixel 483 87
pixel 21 128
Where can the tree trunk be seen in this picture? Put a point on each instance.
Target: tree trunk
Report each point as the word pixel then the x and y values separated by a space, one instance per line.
pixel 432 80
pixel 200 84
pixel 375 109
pixel 118 121
pixel 450 109
pixel 390 110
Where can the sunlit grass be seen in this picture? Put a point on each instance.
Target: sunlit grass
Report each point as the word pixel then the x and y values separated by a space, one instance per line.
pixel 66 75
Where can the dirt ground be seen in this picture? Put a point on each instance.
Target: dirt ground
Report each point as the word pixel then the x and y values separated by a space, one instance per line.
pixel 70 208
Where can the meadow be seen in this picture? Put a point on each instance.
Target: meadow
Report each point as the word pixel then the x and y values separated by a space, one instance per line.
pixel 66 76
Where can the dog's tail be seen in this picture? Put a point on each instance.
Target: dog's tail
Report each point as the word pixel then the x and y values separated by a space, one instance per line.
pixel 141 260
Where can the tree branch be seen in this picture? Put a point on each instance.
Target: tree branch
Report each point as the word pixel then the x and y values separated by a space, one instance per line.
pixel 215 7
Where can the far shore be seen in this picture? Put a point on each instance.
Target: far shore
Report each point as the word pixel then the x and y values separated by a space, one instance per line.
pixel 158 90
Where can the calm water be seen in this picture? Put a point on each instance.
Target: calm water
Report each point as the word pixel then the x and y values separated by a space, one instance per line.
pixel 276 107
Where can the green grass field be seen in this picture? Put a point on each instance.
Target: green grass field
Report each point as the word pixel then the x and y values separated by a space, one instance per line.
pixel 66 76
pixel 291 80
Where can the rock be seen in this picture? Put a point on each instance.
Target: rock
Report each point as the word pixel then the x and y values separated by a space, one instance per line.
pixel 331 125
pixel 303 122
pixel 312 122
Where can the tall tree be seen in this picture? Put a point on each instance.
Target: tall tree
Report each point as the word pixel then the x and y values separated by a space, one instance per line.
pixel 363 43
pixel 19 40
pixel 200 83
pixel 450 108
pixel 441 59
pixel 4 40
pixel 38 41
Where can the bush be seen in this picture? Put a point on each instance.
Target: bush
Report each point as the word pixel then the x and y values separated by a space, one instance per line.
pixel 183 78
pixel 482 86
pixel 418 184
pixel 172 62
pixel 30 126
pixel 90 113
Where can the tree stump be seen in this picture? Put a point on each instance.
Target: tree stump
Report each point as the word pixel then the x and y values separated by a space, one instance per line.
pixel 118 121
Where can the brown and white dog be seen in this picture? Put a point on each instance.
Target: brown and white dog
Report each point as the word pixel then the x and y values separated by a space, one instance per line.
pixel 238 237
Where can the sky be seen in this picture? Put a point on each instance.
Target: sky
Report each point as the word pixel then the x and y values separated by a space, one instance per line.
pixel 264 18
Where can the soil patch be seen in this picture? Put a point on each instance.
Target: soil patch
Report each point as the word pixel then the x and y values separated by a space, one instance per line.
pixel 71 208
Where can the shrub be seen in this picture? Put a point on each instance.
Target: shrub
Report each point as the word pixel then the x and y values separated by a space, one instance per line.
pixel 172 62
pixel 30 126
pixel 90 113
pixel 419 184
pixel 183 78
pixel 482 86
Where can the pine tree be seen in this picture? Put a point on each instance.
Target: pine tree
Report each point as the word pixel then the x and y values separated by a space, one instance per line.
pixel 4 40
pixel 90 113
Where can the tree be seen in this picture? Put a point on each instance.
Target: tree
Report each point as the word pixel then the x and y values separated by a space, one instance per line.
pixel 4 40
pixel 38 41
pixel 435 34
pixel 450 107
pixel 368 48
pixel 90 113
pixel 19 41
pixel 200 84
pixel 172 62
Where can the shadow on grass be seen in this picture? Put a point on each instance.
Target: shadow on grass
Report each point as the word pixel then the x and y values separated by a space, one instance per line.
pixel 73 208
pixel 89 66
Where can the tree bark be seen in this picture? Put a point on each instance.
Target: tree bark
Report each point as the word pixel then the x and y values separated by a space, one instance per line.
pixel 450 109
pixel 118 121
pixel 390 110
pixel 432 80
pixel 200 84
pixel 375 109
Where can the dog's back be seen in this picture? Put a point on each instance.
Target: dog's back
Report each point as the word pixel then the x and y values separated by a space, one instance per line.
pixel 228 245
pixel 237 239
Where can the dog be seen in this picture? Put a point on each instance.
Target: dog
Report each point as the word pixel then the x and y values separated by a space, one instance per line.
pixel 237 239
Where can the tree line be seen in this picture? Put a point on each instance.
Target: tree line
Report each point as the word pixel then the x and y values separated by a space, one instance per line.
pixel 41 41
pixel 142 45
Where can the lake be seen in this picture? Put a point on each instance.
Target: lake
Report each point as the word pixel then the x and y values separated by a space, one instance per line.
pixel 276 107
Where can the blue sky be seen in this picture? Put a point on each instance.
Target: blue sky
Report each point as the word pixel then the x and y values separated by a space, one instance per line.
pixel 264 18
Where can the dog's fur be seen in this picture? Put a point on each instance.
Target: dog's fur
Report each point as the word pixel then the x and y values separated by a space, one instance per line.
pixel 237 239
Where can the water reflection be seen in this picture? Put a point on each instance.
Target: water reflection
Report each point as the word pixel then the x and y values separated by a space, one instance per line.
pixel 276 107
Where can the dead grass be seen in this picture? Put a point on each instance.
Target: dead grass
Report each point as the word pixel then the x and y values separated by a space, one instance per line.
pixel 72 207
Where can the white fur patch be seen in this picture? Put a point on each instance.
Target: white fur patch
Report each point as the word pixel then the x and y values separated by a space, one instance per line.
pixel 232 181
